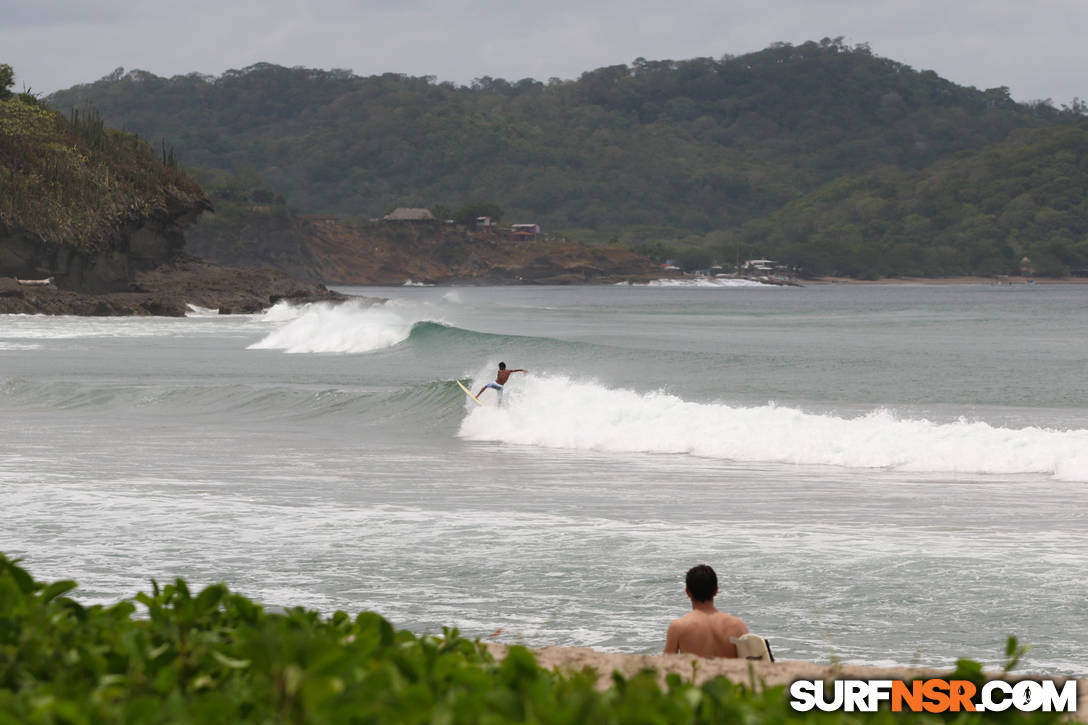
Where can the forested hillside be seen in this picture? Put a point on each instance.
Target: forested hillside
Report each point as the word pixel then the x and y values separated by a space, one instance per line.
pixel 684 153
pixel 1017 207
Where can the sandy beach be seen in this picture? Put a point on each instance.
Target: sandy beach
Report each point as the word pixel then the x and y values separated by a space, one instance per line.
pixel 756 674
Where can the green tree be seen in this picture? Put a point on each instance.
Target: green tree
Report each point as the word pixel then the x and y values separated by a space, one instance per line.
pixel 655 250
pixel 7 80
pixel 696 258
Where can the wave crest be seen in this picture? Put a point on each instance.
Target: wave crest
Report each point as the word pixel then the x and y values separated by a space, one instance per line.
pixel 350 327
pixel 556 412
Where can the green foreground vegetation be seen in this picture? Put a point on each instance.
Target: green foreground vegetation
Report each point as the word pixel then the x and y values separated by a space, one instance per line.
pixel 173 656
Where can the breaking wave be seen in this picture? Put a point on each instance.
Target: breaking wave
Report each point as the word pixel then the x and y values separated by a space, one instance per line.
pixel 351 327
pixel 557 412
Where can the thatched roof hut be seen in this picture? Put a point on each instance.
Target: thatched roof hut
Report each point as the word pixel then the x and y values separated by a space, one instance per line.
pixel 407 214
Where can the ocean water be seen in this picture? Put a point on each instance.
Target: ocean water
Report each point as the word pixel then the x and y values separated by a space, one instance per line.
pixel 879 473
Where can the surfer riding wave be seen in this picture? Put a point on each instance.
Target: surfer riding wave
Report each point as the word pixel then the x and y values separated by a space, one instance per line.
pixel 500 380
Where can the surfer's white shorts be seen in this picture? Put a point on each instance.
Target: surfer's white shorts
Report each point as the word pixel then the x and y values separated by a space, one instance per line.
pixel 494 386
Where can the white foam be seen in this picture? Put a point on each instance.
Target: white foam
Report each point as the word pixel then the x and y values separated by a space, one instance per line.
pixel 67 327
pixel 198 311
pixel 556 412
pixel 705 282
pixel 348 327
pixel 283 312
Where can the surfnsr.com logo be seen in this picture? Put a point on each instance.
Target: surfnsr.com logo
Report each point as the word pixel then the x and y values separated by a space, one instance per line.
pixel 933 695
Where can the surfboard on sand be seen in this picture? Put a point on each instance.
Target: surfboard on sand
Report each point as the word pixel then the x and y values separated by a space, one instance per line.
pixel 469 393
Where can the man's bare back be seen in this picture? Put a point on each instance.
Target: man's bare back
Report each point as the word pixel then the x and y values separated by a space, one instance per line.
pixel 500 380
pixel 704 633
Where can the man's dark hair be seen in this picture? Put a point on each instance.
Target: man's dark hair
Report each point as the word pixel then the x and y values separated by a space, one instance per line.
pixel 702 582
pixel 502 366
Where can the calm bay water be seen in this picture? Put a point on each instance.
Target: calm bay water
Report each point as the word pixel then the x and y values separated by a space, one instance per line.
pixel 884 474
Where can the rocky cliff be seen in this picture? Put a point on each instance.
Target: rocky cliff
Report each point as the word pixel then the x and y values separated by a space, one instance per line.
pixel 92 221
pixel 86 205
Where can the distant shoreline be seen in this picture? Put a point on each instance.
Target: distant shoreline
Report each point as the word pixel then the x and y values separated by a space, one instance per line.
pixel 680 281
pixel 990 281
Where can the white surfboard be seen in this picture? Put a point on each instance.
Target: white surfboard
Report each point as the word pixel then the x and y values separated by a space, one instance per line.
pixel 469 393
pixel 753 647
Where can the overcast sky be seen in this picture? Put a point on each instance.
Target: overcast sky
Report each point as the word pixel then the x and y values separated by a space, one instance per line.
pixel 1036 48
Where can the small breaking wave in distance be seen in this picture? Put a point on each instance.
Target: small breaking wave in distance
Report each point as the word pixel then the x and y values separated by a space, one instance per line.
pixel 557 412
pixel 351 327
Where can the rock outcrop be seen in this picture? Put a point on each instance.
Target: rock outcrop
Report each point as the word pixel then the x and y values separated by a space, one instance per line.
pixel 111 265
pixel 168 290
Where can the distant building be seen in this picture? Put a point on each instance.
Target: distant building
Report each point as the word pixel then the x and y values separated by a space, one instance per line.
pixel 768 269
pixel 484 222
pixel 524 231
pixel 760 265
pixel 409 214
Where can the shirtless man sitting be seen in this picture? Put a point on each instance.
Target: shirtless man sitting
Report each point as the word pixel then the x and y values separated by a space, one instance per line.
pixel 704 631
pixel 500 379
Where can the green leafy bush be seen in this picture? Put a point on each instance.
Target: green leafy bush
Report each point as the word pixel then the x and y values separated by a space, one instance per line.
pixel 217 657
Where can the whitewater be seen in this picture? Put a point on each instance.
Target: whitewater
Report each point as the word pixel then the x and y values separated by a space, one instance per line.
pixel 881 474
pixel 557 412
